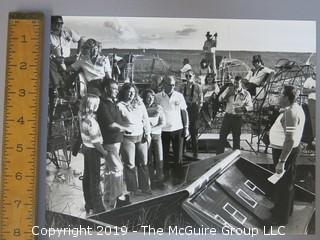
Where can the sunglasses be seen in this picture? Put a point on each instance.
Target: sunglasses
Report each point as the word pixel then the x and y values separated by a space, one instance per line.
pixel 188 76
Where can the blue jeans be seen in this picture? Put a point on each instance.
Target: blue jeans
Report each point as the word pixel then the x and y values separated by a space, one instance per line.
pixel 113 175
pixel 134 155
pixel 91 180
pixel 155 158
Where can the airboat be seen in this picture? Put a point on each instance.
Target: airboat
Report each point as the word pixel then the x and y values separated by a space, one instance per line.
pixel 226 190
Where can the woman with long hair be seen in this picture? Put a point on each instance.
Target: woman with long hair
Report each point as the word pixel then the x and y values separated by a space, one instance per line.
pixel 155 153
pixel 134 148
pixel 92 151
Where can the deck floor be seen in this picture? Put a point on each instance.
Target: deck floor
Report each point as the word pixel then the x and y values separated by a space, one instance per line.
pixel 64 188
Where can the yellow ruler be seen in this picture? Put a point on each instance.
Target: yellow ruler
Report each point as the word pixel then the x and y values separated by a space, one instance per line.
pixel 21 126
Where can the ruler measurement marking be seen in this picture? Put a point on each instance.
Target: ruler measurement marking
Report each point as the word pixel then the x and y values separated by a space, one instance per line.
pixel 31 25
pixel 27 204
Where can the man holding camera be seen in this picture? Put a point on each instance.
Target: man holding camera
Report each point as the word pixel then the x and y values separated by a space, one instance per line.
pixel 238 102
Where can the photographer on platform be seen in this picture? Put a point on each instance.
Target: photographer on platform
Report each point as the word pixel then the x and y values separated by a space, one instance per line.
pixel 209 50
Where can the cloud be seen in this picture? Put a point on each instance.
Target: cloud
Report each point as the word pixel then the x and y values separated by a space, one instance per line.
pixel 186 31
pixel 121 30
pixel 151 37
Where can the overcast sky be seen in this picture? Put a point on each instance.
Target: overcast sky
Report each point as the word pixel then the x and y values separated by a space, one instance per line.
pixel 189 33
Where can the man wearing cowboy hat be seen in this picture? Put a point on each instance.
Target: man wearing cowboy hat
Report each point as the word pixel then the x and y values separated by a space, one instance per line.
pixel 209 47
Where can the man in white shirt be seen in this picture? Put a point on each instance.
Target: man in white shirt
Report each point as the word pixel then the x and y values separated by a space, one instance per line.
pixel 285 137
pixel 61 39
pixel 238 102
pixel 177 123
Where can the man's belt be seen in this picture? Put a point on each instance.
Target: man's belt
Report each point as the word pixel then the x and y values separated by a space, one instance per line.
pixel 233 115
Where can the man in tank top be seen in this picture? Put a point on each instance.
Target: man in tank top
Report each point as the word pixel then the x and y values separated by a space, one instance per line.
pixel 285 137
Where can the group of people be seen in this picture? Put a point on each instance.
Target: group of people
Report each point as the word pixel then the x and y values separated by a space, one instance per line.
pixel 117 123
pixel 133 135
pixel 133 132
pixel 285 133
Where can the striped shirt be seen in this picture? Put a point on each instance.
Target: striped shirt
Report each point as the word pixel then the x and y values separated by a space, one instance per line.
pixel 278 131
pixel 90 132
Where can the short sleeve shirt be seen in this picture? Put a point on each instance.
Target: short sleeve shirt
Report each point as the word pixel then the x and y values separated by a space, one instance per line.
pixel 259 75
pixel 239 99
pixel 92 70
pixel 310 83
pixel 184 69
pixel 172 107
pixel 90 132
pixel 155 114
pixel 60 45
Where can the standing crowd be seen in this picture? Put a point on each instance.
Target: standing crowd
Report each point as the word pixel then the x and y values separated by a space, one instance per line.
pixel 133 135
pixel 134 132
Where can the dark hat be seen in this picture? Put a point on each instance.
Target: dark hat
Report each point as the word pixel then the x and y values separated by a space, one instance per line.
pixel 256 58
pixel 208 34
pixel 185 61
pixel 56 19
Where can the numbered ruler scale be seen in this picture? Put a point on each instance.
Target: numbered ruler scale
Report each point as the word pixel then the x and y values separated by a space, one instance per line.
pixel 21 126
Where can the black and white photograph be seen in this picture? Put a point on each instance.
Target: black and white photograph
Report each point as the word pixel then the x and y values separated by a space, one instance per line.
pixel 182 125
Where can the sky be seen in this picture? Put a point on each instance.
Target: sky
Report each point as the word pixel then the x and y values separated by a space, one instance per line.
pixel 189 33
